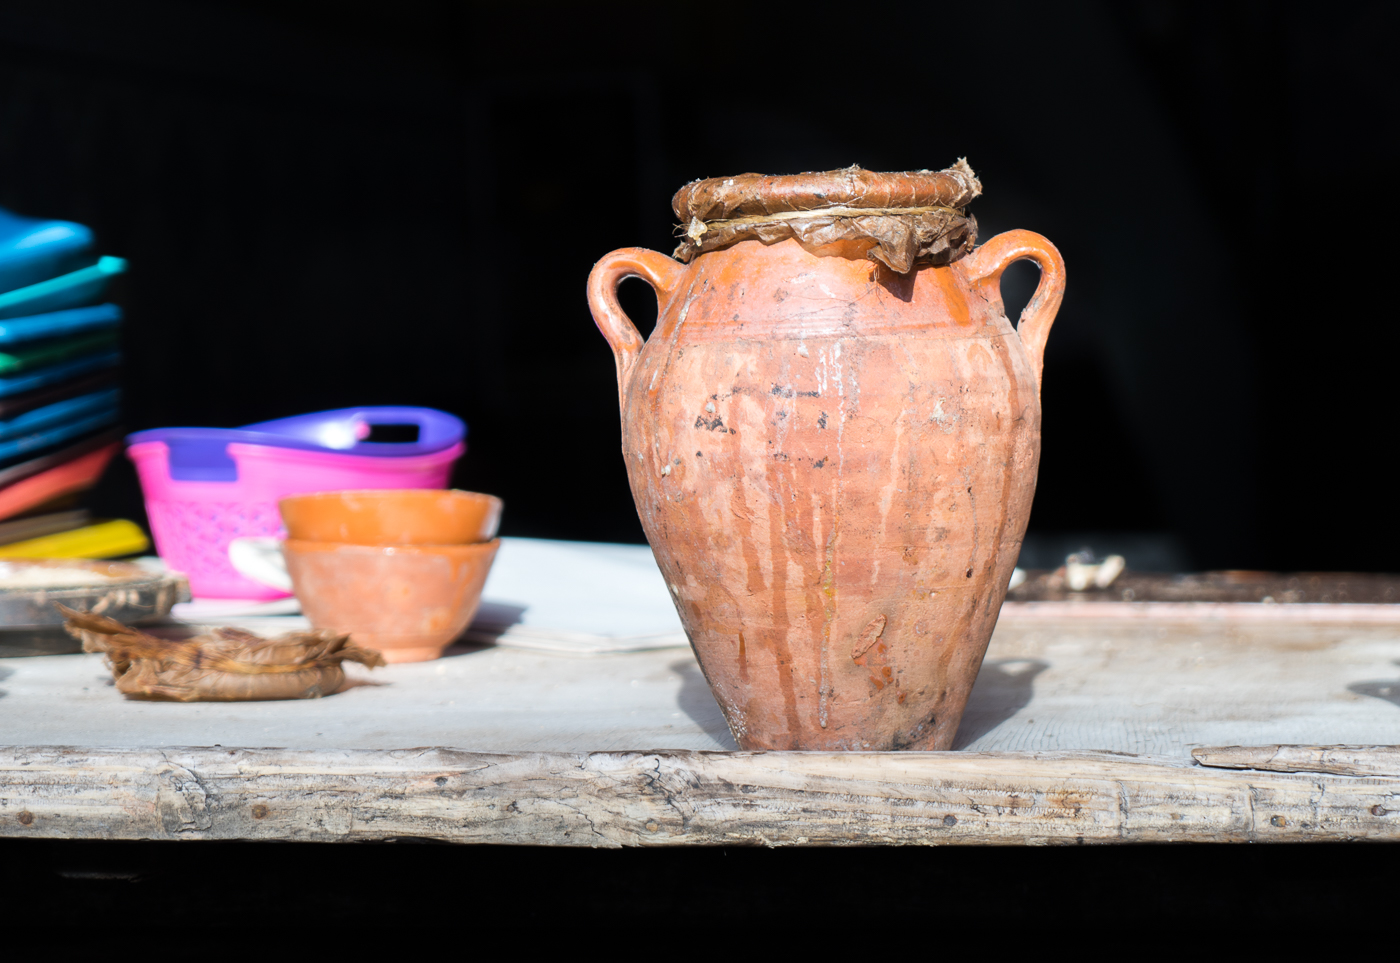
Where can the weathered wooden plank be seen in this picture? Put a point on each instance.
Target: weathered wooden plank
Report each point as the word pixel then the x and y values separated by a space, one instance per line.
pixel 1353 613
pixel 614 799
pixel 1337 760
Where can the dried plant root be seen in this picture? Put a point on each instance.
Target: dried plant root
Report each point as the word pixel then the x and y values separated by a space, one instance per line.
pixel 226 665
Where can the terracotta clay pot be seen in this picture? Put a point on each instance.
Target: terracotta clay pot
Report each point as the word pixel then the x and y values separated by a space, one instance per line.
pixel 417 516
pixel 407 601
pixel 834 464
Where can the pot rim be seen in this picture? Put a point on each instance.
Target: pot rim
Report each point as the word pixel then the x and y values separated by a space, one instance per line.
pixel 302 546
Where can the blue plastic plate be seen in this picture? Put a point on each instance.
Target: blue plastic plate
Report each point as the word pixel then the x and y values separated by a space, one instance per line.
pixel 34 250
pixel 65 291
pixel 16 405
pixel 53 374
pixel 61 412
pixel 17 449
pixel 58 323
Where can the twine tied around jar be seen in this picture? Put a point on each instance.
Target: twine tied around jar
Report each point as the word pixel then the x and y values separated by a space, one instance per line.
pixel 898 219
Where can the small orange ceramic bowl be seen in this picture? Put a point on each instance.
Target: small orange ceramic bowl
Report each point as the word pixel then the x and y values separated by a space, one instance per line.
pixel 409 516
pixel 408 601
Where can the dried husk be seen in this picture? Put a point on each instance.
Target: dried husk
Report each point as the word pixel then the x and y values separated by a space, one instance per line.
pixel 226 665
pixel 898 219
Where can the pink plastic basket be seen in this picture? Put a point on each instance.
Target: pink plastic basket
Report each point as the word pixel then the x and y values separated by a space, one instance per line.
pixel 194 521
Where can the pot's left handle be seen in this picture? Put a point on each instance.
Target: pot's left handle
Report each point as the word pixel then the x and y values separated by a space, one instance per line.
pixel 658 270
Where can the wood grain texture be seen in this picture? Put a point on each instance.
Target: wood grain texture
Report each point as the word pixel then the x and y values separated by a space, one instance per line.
pixel 1337 760
pixel 616 799
pixel 1315 613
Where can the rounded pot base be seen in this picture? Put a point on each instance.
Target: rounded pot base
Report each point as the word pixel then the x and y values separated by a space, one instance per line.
pixel 425 653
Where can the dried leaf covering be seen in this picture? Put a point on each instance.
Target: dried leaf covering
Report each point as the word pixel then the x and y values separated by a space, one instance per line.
pixel 226 665
pixel 898 219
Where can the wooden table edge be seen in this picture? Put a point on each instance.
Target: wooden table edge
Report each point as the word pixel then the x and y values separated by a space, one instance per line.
pixel 683 798
pixel 1361 613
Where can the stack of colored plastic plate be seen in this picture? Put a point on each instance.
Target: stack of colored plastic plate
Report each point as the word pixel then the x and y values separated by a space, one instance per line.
pixel 60 403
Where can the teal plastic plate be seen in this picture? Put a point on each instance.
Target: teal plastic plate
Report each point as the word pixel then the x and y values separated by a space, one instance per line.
pixel 65 291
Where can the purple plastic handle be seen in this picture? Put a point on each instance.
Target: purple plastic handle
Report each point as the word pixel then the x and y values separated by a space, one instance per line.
pixel 344 429
pixel 200 454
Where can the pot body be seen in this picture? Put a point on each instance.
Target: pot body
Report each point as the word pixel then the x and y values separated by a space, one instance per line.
pixel 834 465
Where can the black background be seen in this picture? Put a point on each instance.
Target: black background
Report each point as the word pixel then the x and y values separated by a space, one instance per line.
pixel 332 204
pixel 342 203
pixel 732 902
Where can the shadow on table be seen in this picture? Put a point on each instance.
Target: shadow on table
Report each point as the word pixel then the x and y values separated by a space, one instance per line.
pixel 25 643
pixel 1387 689
pixel 492 620
pixel 497 617
pixel 1004 687
pixel 696 701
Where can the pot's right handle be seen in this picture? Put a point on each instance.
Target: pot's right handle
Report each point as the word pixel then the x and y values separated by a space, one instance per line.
pixel 658 270
pixel 984 267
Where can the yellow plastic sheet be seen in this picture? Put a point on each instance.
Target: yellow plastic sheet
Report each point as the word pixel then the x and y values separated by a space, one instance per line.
pixel 103 540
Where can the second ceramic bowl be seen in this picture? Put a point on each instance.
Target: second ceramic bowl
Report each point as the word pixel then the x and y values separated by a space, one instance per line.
pixel 407 601
pixel 413 516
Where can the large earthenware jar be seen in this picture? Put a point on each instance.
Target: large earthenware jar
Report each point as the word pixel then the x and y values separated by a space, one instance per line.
pixel 832 437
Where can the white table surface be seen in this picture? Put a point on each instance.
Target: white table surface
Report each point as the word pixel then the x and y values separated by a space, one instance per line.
pixel 1145 686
